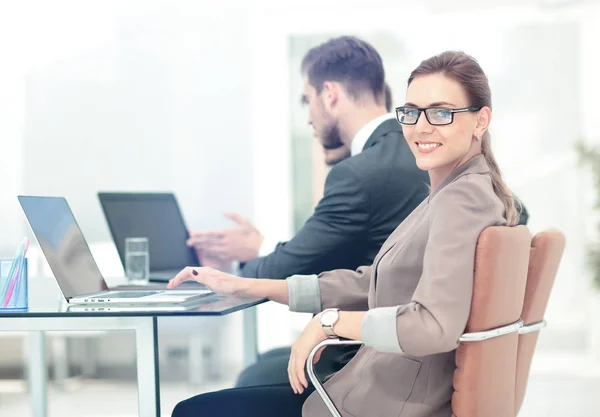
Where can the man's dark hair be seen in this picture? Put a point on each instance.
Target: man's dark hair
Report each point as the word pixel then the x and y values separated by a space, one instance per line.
pixel 388 97
pixel 347 60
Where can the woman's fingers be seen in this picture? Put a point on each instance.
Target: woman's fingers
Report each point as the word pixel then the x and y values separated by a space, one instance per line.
pixel 296 372
pixel 291 374
pixel 217 281
pixel 300 372
pixel 186 274
pixel 298 387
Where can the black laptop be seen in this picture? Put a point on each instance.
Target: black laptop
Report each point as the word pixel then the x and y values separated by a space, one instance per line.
pixel 157 217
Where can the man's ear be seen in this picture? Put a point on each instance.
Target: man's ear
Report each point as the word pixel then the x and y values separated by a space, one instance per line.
pixel 330 94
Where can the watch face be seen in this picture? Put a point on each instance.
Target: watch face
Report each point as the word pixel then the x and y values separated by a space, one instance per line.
pixel 329 317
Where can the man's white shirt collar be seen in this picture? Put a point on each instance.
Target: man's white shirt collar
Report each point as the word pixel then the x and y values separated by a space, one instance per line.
pixel 365 132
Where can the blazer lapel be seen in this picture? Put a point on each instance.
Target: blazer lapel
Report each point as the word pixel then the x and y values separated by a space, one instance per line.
pixel 410 225
pixel 403 234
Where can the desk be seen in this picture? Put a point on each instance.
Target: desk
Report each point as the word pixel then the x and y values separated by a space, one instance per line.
pixel 40 318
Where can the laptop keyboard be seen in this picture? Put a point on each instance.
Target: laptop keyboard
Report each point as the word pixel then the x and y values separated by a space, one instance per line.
pixel 129 294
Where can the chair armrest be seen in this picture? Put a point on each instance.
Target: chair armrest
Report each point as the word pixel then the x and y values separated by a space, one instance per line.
pixel 533 327
pixel 310 370
pixel 492 333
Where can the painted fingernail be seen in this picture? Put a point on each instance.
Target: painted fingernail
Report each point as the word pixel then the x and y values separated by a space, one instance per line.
pixel 194 272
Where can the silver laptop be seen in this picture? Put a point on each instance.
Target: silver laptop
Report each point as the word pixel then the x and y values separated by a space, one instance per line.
pixel 125 308
pixel 73 265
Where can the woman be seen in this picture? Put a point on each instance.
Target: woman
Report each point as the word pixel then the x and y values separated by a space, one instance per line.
pixel 411 306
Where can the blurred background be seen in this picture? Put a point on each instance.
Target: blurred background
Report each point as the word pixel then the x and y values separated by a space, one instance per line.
pixel 201 98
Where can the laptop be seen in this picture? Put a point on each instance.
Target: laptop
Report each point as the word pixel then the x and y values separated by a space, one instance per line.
pixel 69 256
pixel 157 217
pixel 124 308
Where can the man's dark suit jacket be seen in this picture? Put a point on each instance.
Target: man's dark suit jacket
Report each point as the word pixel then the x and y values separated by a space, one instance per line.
pixel 366 197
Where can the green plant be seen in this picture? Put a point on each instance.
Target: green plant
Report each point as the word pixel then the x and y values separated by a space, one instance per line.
pixel 590 157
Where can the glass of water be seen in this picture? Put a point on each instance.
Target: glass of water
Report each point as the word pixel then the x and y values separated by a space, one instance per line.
pixel 137 260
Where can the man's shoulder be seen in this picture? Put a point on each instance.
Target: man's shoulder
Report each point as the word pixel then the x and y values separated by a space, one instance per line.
pixel 345 170
pixel 388 164
pixel 388 154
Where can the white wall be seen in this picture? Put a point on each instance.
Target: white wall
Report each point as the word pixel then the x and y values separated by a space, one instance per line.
pixel 126 96
pixel 157 105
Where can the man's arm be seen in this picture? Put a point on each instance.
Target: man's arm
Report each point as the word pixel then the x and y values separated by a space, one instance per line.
pixel 339 223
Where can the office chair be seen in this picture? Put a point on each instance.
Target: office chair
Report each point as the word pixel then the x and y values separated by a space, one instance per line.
pixel 513 278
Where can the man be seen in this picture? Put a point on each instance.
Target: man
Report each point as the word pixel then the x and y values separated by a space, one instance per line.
pixel 217 248
pixel 366 195
pixel 333 156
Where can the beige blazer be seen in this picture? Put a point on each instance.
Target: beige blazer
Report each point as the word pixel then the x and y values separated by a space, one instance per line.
pixel 418 297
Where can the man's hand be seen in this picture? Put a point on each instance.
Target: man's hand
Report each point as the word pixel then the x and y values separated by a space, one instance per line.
pixel 214 262
pixel 239 243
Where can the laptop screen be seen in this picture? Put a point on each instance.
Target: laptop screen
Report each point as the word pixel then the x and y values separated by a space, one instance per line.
pixel 155 216
pixel 63 244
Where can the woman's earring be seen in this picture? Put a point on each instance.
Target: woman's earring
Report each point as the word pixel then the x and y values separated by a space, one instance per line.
pixel 477 138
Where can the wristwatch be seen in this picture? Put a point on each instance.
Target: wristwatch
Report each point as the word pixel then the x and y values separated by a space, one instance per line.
pixel 328 318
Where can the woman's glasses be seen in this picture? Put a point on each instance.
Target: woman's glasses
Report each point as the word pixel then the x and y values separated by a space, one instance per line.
pixel 437 116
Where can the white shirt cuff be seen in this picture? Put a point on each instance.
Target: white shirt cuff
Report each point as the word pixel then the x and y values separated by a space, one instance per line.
pixel 268 246
pixel 379 331
pixel 304 294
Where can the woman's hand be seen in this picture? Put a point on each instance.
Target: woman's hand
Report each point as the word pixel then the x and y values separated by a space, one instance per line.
pixel 217 281
pixel 312 335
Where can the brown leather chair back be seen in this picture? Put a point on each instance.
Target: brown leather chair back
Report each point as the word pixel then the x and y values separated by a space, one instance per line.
pixel 546 251
pixel 484 381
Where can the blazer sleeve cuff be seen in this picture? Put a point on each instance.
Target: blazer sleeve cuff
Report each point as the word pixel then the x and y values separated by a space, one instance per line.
pixel 379 331
pixel 304 294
